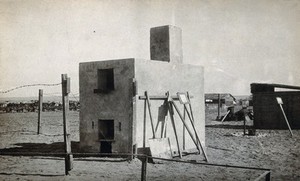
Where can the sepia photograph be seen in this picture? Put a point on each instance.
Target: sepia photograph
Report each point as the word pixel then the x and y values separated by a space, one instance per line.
pixel 150 90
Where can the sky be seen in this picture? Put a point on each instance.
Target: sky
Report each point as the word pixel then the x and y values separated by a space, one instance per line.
pixel 238 42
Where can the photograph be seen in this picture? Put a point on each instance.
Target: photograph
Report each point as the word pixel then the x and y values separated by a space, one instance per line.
pixel 202 90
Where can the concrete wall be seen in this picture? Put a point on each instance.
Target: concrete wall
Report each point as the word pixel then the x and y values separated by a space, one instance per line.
pixel 157 78
pixel 122 104
pixel 115 105
pixel 268 115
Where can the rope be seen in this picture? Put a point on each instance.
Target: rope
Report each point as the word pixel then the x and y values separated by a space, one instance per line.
pixel 30 85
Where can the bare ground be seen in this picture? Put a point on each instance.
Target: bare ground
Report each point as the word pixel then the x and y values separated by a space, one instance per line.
pixel 274 149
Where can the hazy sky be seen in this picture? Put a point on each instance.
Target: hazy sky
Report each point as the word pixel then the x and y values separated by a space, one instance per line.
pixel 238 42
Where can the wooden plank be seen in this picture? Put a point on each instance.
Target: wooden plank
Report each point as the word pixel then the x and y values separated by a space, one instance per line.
pixel 144 124
pixel 171 111
pixel 160 147
pixel 286 120
pixel 225 116
pixel 266 175
pixel 190 133
pixel 219 105
pixel 196 135
pixel 150 114
pixel 164 130
pixel 183 132
pixel 190 105
pixel 191 110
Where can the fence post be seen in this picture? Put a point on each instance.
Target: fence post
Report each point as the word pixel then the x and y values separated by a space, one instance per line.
pixel 40 110
pixel 144 168
pixel 219 106
pixel 65 81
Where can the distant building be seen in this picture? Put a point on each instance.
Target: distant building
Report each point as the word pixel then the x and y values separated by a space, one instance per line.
pixel 267 113
pixel 212 100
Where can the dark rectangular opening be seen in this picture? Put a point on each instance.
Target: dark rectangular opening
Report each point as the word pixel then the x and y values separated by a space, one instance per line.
pixel 106 130
pixel 105 80
pixel 105 147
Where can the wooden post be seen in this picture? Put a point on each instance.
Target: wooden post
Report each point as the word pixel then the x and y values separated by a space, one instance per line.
pixel 150 114
pixel 219 105
pixel 164 125
pixel 40 110
pixel 67 137
pixel 244 126
pixel 144 168
pixel 225 116
pixel 244 113
pixel 174 127
pixel 144 126
pixel 189 131
pixel 183 132
pixel 286 120
pixel 190 105
pixel 171 112
pixel 280 102
pixel 191 110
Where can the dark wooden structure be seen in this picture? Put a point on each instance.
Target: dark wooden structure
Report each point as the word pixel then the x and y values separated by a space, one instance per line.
pixel 267 113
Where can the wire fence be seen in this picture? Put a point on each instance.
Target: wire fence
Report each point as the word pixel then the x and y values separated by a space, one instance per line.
pixel 29 85
pixel 52 100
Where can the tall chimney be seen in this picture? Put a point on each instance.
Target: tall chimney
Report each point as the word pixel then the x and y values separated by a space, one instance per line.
pixel 166 44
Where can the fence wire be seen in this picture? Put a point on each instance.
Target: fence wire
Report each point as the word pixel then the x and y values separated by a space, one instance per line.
pixel 29 85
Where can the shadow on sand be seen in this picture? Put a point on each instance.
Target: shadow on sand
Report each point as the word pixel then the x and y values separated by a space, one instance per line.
pixel 227 126
pixel 30 174
pixel 55 151
pixel 57 147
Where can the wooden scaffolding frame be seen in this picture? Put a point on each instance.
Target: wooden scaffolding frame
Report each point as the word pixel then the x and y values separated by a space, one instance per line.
pixel 169 101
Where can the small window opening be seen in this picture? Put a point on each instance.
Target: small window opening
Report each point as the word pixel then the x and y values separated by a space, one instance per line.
pixel 105 80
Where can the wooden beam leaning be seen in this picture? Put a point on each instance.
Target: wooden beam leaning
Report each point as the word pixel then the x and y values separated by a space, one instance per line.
pixel 196 134
pixel 190 133
pixel 191 110
pixel 280 102
pixel 183 132
pixel 266 175
pixel 171 112
pixel 286 120
pixel 225 116
pixel 67 137
pixel 190 106
pixel 150 114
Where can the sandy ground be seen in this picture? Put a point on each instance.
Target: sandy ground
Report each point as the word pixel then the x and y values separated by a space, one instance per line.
pixel 274 149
